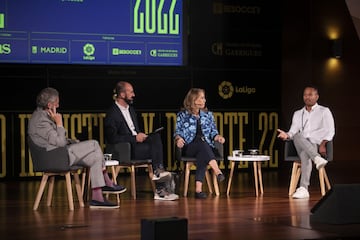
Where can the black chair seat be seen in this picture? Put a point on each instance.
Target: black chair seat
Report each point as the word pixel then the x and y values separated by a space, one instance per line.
pixel 191 161
pixel 135 162
pixel 52 163
pixel 122 153
pixel 290 154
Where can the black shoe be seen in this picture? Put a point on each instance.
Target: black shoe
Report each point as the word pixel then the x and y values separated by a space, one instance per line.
pixel 114 189
pixel 104 204
pixel 200 195
pixel 220 177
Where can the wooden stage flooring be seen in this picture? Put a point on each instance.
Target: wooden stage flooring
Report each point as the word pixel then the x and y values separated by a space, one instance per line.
pixel 240 215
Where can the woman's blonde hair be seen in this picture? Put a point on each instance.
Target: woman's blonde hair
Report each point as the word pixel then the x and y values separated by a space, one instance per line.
pixel 191 96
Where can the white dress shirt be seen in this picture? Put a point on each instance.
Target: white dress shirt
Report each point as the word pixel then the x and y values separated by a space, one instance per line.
pixel 316 125
pixel 125 111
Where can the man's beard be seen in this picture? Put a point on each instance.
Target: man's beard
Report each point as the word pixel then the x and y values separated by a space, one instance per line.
pixel 129 101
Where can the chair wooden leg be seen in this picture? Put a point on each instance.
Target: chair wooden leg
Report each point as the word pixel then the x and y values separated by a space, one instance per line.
pixel 114 179
pixel 78 189
pixel 86 184
pixel 151 174
pixel 327 182
pixel 113 174
pixel 83 180
pixel 69 191
pixel 187 176
pixel 133 183
pixel 322 181
pixel 298 174
pixel 294 179
pixel 40 191
pixel 50 190
pixel 208 181
pixel 216 184
pixel 50 177
pixel 295 176
pixel 117 171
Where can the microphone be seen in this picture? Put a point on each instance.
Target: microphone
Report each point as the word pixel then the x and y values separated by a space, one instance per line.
pixel 199 106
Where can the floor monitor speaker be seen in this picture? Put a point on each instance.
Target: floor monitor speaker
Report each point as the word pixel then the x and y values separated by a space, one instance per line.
pixel 340 205
pixel 173 228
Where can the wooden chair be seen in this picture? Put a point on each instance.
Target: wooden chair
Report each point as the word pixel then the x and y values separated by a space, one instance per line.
pixel 53 163
pixel 191 161
pixel 291 155
pixel 86 183
pixel 122 153
pixel 112 165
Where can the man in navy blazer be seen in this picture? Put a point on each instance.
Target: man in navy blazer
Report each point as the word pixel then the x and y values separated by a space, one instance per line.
pixel 121 125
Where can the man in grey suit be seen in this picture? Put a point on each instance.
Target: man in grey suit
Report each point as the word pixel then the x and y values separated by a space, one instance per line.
pixel 46 130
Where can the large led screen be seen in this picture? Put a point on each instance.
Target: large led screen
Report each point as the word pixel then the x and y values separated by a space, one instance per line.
pixel 109 32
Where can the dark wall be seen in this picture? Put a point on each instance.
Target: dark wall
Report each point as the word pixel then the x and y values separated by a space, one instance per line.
pixel 309 27
pixel 233 51
pixel 90 88
pixel 272 47
pixel 237 42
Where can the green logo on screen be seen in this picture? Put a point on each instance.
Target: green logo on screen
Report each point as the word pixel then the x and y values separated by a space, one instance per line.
pixel 155 19
pixel 89 51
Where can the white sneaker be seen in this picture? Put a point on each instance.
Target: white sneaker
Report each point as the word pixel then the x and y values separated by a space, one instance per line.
pixel 301 192
pixel 174 196
pixel 165 196
pixel 320 162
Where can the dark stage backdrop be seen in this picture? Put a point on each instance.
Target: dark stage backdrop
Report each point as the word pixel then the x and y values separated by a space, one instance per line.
pixel 234 53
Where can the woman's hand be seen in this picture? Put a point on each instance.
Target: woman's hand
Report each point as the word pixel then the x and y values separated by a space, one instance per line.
pixel 180 142
pixel 219 139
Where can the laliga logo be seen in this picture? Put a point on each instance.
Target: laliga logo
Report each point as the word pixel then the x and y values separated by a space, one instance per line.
pixel 89 51
pixel 226 90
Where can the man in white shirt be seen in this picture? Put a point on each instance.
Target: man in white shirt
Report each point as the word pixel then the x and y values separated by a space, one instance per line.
pixel 311 128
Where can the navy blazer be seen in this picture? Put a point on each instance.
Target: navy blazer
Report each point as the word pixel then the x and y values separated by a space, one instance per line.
pixel 116 128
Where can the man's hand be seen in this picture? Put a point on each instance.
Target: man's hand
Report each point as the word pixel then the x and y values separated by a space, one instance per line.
pixel 322 148
pixel 140 137
pixel 282 135
pixel 55 116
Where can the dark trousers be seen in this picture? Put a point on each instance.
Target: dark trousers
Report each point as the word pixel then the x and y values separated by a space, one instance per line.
pixel 151 148
pixel 203 153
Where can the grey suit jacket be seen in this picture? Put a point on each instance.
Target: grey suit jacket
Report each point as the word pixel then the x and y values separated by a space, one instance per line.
pixel 44 132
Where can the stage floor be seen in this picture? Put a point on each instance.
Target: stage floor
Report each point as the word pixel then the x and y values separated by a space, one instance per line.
pixel 241 215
